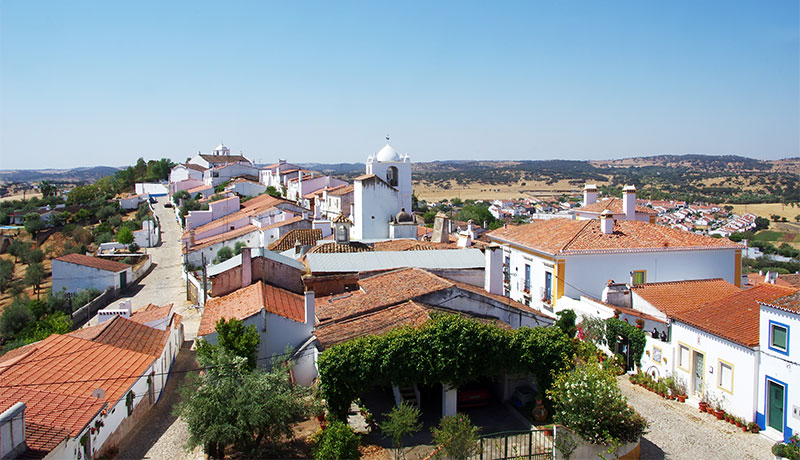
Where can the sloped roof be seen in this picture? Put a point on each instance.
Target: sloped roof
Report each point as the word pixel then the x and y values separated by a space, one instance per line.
pixel 248 301
pixel 672 297
pixel 222 159
pixel 568 236
pixel 151 313
pixel 735 317
pixel 789 303
pixel 125 333
pixel 93 262
pixel 211 240
pixel 306 236
pixel 338 248
pixel 614 205
pixel 373 323
pixel 341 190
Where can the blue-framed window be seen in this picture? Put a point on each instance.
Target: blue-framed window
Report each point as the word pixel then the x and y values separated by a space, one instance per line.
pixel 527 278
pixel 778 337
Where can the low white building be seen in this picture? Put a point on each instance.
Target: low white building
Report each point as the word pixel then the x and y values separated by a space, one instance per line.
pixel 244 187
pixel 219 156
pixel 148 236
pixel 548 259
pixel 76 272
pixel 132 202
pixel 778 396
pixel 624 208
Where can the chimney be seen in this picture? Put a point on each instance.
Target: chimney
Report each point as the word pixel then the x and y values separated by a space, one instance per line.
pixel 629 202
pixel 309 303
pixel 441 228
pixel 300 185
pixel 589 194
pixel 247 268
pixel 493 272
pixel 607 222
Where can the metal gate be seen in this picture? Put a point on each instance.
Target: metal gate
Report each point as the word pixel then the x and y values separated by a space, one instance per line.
pixel 506 445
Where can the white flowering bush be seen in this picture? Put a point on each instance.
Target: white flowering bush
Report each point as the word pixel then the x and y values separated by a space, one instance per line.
pixel 588 401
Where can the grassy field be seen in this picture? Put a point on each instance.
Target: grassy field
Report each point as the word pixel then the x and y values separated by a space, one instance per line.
pixel 781 232
pixel 480 191
pixel 768 209
pixel 19 196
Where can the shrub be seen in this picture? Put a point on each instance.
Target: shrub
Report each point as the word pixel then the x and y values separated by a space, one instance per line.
pixel 125 236
pixel 223 254
pixel 14 318
pixel 115 221
pixel 566 322
pixel 338 441
pixel 400 422
pixel 457 436
pixel 588 401
pixel 616 328
pixel 237 248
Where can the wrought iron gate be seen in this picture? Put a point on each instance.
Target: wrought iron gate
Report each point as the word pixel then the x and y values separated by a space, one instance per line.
pixel 508 445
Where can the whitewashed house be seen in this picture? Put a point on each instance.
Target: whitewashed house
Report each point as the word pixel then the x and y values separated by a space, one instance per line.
pixel 275 175
pixel 76 272
pixel 778 397
pixel 117 370
pixel 218 157
pixel 132 201
pixel 624 208
pixel 548 259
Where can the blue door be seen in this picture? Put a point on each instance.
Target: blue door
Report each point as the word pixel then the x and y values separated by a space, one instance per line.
pixel 548 286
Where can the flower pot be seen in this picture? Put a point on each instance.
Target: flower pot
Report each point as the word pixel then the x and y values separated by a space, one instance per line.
pixel 719 414
pixel 681 398
pixel 703 406
pixel 744 428
pixel 321 418
pixel 539 412
pixel 739 424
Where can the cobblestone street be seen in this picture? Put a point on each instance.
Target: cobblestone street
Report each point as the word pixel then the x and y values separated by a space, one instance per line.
pixel 681 431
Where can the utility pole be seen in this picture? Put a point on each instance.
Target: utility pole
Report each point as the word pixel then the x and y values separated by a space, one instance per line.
pixel 205 279
pixel 186 269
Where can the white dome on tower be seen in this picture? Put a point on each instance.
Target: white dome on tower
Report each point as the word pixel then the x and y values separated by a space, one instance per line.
pixel 388 153
pixel 221 147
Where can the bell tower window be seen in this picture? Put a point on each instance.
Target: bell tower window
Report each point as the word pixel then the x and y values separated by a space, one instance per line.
pixel 391 176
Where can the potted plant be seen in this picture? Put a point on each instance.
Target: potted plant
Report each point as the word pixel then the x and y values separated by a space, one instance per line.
pixel 703 404
pixel 753 427
pixel 640 323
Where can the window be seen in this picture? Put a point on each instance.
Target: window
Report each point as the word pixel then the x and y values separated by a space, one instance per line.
pixel 779 337
pixel 507 270
pixel 683 357
pixel 725 376
pixel 548 286
pixel 527 278
pixel 639 276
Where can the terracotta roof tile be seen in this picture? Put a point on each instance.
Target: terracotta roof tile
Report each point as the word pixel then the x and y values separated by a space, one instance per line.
pixel 223 159
pixel 194 166
pixel 614 205
pixel 93 262
pixel 306 236
pixel 250 207
pixel 567 236
pixel 341 190
pixel 410 245
pixel 790 280
pixel 151 313
pixel 735 317
pixel 673 297
pixel 205 242
pixel 373 323
pixel 337 248
pixel 130 335
pixel 248 301
pixel 788 303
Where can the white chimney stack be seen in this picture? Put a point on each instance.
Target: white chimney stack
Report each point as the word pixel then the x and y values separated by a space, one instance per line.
pixel 589 194
pixel 607 222
pixel 629 202
pixel 247 268
pixel 493 273
pixel 309 303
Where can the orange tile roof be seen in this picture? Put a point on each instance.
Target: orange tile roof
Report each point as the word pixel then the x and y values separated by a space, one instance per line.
pixel 341 190
pixel 567 236
pixel 93 262
pixel 150 313
pixel 790 280
pixel 614 205
pixel 129 335
pixel 56 378
pixel 250 207
pixel 199 188
pixel 373 323
pixel 337 248
pixel 411 245
pixel 789 303
pixel 248 301
pixel 672 297
pixel 306 236
pixel 223 159
pixel 211 240
pixel 735 317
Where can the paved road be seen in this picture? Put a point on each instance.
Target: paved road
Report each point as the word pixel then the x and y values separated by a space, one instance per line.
pixel 161 435
pixel 680 430
pixel 164 284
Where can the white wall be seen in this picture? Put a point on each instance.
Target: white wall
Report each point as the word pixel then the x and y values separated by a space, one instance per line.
pixel 153 189
pixel 251 239
pixel 247 188
pixel 216 210
pixel 180 173
pixel 588 274
pixel 78 277
pixel 781 368
pixel 147 236
pixel 740 401
pixel 375 204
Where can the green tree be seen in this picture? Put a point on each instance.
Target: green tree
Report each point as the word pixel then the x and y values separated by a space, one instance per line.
pixel 400 422
pixel 180 195
pixel 232 404
pixel 237 248
pixel 125 236
pixel 476 213
pixel 797 218
pixel 457 436
pixel 566 322
pixel 338 441
pixel 34 256
pixel 82 194
pixel 14 318
pixel 235 337
pixel 6 274
pixel 34 276
pixel 47 189
pixel 82 215
pixel 761 223
pixel 19 250
pixel 223 254
pixel 33 223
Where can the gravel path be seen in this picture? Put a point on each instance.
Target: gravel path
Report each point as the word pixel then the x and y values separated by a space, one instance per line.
pixel 161 435
pixel 681 431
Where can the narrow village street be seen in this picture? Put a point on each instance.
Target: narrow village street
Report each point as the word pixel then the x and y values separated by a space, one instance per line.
pixel 164 285
pixel 681 431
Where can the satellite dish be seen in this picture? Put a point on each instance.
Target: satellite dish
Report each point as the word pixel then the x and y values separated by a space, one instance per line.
pixel 99 393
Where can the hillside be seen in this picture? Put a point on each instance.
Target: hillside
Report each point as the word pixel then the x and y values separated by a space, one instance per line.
pixel 74 175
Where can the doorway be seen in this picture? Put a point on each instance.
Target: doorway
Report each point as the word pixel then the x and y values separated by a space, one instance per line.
pixel 775 407
pixel 698 376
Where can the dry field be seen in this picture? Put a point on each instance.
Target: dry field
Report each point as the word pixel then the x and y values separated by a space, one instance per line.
pixel 19 196
pixel 479 191
pixel 768 209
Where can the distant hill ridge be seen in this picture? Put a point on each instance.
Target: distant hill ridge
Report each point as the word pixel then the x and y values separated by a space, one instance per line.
pixel 74 175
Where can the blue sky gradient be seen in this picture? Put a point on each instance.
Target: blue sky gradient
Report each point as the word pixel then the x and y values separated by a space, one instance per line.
pixel 90 83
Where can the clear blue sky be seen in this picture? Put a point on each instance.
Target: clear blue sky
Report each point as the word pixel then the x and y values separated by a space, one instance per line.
pixel 90 83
